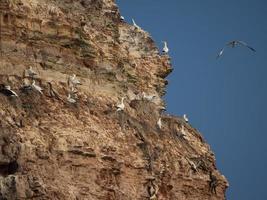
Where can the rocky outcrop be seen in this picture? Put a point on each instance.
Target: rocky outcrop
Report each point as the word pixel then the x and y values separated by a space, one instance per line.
pixel 54 149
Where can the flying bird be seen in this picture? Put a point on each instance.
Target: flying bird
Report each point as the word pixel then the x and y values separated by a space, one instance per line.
pixel 234 44
pixel 121 106
pixel 165 48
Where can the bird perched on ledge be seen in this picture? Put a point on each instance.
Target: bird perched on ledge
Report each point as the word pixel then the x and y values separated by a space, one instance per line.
pixel 121 106
pixel 234 44
pixel 159 123
pixel 6 90
pixel 71 99
pixel 122 18
pixel 148 97
pixel 73 81
pixel 37 87
pixel 30 72
pixel 185 118
pixel 165 48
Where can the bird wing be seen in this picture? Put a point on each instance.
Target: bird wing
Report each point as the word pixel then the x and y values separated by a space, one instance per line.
pixel 246 45
pixel 220 53
pixel 13 93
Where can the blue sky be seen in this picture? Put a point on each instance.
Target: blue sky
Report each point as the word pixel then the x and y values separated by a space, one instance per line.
pixel 225 99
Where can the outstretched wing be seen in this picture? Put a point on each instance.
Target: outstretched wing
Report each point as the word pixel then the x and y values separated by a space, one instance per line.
pixel 220 53
pixel 246 45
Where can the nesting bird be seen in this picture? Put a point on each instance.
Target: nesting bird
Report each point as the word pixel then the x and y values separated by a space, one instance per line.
pixel 6 90
pixel 165 48
pixel 121 106
pixel 122 18
pixel 30 72
pixel 37 87
pixel 71 99
pixel 193 165
pixel 185 118
pixel 234 44
pixel 148 97
pixel 162 109
pixel 73 81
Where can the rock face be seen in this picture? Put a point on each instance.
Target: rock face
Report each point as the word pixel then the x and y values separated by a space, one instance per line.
pixel 54 149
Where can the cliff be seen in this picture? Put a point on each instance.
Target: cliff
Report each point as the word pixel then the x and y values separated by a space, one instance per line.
pixel 81 147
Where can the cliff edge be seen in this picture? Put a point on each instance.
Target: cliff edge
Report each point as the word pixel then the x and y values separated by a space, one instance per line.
pixel 61 139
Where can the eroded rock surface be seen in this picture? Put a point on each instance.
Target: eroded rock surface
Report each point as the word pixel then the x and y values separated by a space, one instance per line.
pixel 54 149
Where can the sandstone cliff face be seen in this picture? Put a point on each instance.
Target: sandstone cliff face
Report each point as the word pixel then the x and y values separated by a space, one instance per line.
pixel 54 149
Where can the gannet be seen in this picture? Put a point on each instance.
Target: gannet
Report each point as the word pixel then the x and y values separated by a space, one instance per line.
pixel 233 44
pixel 6 90
pixel 121 106
pixel 122 18
pixel 31 73
pixel 70 99
pixel 74 92
pixel 162 108
pixel 148 97
pixel 135 25
pixel 185 118
pixel 193 165
pixel 159 123
pixel 73 80
pixel 37 87
pixel 26 86
pixel 165 48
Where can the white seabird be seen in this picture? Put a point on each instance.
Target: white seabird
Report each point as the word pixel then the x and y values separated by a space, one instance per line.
pixel 37 87
pixel 233 44
pixel 135 25
pixel 121 106
pixel 70 99
pixel 159 123
pixel 6 90
pixel 185 118
pixel 162 108
pixel 122 18
pixel 165 48
pixel 148 97
pixel 193 165
pixel 31 73
pixel 73 80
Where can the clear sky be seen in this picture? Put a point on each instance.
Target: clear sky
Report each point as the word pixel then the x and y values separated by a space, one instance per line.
pixel 225 99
